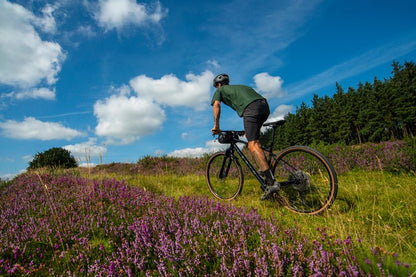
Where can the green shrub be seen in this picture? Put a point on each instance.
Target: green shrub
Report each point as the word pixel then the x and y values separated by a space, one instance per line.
pixel 54 158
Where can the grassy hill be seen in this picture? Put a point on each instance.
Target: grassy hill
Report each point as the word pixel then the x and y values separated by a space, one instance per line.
pixel 157 217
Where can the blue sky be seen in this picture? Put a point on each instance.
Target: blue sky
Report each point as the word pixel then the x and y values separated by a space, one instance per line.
pixel 116 80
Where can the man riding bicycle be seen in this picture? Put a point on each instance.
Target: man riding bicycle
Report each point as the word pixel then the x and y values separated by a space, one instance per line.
pixel 255 110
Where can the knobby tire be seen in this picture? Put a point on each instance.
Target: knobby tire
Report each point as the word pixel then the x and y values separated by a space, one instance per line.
pixel 224 176
pixel 308 180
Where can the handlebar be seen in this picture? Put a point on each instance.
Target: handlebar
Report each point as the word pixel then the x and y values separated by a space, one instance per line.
pixel 238 133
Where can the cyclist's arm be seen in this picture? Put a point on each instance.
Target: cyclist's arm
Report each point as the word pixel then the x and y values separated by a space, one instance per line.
pixel 216 110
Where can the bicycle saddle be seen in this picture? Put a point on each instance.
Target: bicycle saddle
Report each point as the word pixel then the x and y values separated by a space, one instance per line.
pixel 275 123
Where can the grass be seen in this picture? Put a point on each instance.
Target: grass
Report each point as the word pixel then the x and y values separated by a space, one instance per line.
pixel 375 207
pixel 61 221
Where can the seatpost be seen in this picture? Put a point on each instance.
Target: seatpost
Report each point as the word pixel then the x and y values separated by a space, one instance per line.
pixel 270 148
pixel 271 145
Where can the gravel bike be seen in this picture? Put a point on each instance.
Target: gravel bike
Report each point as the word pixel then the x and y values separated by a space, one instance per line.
pixel 307 179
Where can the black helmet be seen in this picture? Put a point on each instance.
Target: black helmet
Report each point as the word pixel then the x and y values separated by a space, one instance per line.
pixel 222 78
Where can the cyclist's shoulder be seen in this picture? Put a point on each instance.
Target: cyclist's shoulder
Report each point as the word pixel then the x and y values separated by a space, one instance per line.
pixel 233 88
pixel 239 86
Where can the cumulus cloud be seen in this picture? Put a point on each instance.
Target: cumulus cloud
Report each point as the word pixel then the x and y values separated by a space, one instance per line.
pixel 211 146
pixel 27 60
pixel 123 119
pixel 171 91
pixel 269 86
pixel 86 150
pixel 31 128
pixel 116 14
pixel 35 93
pixel 280 112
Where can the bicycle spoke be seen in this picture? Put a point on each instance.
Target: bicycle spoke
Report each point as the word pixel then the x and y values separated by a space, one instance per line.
pixel 224 176
pixel 308 181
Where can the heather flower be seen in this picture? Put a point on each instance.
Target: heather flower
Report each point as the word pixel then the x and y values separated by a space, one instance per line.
pixel 65 225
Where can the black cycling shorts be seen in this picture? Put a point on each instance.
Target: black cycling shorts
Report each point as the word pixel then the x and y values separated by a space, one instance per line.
pixel 255 114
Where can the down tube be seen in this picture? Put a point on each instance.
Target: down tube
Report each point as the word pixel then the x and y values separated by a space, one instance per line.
pixel 250 166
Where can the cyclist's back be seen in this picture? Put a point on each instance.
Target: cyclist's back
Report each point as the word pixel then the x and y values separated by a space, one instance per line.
pixel 238 97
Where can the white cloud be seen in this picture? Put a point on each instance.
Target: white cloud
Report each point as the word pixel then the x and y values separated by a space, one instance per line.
pixel 47 22
pixel 86 150
pixel 86 31
pixel 211 146
pixel 171 91
pixel 35 93
pixel 123 119
pixel 27 60
pixel 269 86
pixel 31 128
pixel 27 158
pixel 280 112
pixel 213 63
pixel 10 176
pixel 116 14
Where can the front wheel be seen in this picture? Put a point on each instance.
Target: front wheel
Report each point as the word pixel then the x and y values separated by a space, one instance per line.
pixel 308 180
pixel 224 176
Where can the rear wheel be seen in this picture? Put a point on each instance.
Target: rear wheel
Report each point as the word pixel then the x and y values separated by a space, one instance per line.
pixel 308 181
pixel 224 176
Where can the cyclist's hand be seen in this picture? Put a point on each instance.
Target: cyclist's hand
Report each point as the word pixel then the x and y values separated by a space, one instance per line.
pixel 215 131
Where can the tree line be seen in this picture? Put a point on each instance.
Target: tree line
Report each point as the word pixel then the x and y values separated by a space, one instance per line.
pixel 383 110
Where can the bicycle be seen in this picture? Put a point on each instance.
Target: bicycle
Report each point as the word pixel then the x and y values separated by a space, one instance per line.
pixel 308 180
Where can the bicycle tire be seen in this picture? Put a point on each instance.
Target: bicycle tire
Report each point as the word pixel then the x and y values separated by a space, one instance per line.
pixel 309 183
pixel 229 185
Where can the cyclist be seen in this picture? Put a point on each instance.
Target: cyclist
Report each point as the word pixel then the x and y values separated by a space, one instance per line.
pixel 255 110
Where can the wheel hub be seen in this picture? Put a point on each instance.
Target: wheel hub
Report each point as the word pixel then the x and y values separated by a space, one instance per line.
pixel 301 180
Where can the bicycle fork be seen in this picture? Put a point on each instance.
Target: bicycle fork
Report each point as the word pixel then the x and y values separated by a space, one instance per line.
pixel 225 167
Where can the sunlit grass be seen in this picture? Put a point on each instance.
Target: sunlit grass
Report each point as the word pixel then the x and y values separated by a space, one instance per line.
pixel 371 220
pixel 375 207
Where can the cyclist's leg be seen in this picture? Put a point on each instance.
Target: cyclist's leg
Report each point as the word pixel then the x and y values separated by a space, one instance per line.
pixel 254 116
pixel 254 147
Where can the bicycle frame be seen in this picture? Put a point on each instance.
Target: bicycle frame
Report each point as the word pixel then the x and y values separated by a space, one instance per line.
pixel 230 153
pixel 308 182
pixel 233 147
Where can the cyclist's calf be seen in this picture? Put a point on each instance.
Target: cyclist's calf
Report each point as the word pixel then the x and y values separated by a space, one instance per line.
pixel 254 147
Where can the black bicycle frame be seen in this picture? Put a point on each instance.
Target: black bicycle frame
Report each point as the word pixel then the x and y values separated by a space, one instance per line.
pixel 230 153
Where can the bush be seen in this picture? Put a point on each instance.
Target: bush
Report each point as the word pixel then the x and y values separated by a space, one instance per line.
pixel 53 158
pixel 392 156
